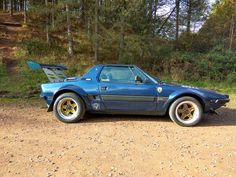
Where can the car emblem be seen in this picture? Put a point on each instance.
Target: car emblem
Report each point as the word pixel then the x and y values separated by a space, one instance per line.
pixel 96 106
pixel 159 89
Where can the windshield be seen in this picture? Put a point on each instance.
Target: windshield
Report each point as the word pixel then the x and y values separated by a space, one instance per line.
pixel 151 77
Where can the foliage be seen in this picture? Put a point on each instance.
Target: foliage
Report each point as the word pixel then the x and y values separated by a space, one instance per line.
pixel 132 32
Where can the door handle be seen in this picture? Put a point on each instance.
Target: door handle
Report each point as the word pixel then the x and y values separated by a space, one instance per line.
pixel 104 88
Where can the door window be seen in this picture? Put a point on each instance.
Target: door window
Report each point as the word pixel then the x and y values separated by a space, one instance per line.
pixel 137 72
pixel 117 74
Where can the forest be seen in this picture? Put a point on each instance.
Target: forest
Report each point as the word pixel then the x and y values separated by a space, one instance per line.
pixel 189 41
pixel 124 128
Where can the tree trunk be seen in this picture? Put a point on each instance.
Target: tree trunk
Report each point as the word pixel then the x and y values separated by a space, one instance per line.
pixel 141 54
pixel 96 42
pixel 25 11
pixel 53 14
pixel 166 20
pixel 15 5
pixel 89 27
pixel 189 16
pixel 47 23
pixel 69 32
pixel 4 5
pixel 150 10
pixel 177 23
pixel 150 16
pixel 83 14
pixel 155 10
pixel 231 35
pixel 11 7
pixel 122 35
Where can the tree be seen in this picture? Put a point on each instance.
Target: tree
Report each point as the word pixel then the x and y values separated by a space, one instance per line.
pixel 47 22
pixel 177 4
pixel 232 29
pixel 96 41
pixel 122 31
pixel 189 15
pixel 69 32
pixel 221 24
pixel 25 11
pixel 4 5
pixel 11 7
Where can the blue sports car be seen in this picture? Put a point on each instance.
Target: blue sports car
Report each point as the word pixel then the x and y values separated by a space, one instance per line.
pixel 123 89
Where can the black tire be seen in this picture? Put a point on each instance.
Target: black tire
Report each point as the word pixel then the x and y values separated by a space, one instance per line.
pixel 78 109
pixel 179 115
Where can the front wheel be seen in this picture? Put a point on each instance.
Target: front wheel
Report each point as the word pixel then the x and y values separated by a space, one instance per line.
pixel 186 111
pixel 69 108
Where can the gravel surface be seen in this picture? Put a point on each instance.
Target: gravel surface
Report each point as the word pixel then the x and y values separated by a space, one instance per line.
pixel 34 143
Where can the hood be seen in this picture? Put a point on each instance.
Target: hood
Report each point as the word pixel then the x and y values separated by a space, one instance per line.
pixel 203 91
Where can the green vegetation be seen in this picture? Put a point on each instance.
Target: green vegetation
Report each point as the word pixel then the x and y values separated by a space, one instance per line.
pixel 82 33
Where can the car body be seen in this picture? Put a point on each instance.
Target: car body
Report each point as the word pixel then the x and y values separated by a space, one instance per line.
pixel 126 89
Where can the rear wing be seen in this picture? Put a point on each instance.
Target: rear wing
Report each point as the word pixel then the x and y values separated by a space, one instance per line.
pixel 53 72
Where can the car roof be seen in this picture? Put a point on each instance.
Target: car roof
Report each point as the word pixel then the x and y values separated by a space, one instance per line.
pixel 117 65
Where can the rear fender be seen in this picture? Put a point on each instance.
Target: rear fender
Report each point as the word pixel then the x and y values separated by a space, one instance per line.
pixel 70 88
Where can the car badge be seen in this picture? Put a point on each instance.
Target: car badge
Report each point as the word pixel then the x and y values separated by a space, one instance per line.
pixel 159 89
pixel 96 106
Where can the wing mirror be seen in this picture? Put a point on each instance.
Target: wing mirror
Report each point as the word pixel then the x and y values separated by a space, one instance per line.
pixel 138 80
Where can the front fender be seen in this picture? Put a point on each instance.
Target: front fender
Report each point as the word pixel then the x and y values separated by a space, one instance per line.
pixel 180 93
pixel 70 88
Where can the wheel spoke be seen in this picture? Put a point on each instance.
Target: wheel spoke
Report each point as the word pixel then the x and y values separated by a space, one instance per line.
pixel 182 116
pixel 180 111
pixel 73 105
pixel 64 107
pixel 185 106
pixel 190 116
pixel 67 112
pixel 192 109
pixel 68 102
pixel 73 111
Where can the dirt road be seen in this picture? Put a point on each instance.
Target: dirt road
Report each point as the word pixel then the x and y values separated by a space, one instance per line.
pixel 11 34
pixel 34 143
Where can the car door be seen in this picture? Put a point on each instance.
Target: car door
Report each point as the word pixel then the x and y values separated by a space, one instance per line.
pixel 120 92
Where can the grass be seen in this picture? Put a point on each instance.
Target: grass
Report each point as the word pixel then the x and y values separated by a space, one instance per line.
pixel 222 86
pixel 26 81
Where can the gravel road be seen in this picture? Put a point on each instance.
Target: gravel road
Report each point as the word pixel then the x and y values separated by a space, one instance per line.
pixel 34 143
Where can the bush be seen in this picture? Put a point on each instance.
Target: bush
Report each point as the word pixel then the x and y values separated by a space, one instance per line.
pixel 218 65
pixel 195 42
pixel 35 46
pixel 231 77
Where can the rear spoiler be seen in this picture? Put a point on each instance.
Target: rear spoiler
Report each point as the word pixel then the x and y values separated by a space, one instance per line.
pixel 53 72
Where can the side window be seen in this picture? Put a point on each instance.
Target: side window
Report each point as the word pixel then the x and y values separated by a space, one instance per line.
pixel 138 73
pixel 116 74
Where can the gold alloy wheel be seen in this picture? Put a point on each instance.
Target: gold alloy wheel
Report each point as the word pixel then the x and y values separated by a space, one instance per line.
pixel 186 111
pixel 68 107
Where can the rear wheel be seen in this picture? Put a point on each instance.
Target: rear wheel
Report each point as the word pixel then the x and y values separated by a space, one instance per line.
pixel 186 111
pixel 69 108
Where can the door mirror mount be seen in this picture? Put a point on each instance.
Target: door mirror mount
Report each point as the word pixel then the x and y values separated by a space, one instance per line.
pixel 138 80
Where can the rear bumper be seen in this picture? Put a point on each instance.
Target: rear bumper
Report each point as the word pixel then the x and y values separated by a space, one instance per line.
pixel 47 99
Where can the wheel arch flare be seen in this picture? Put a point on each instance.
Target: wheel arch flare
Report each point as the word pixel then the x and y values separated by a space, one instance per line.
pixel 73 89
pixel 174 96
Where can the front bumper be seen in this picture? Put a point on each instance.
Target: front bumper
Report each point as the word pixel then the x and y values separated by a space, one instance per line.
pixel 217 103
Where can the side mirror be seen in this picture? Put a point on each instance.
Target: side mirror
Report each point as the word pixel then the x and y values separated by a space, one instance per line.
pixel 138 80
pixel 146 81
